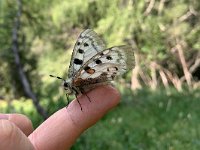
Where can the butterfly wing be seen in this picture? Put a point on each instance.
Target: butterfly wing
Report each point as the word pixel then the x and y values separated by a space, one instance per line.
pixel 105 66
pixel 87 45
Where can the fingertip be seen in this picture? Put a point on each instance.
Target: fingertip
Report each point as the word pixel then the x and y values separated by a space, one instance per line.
pixel 105 98
pixel 21 121
pixel 111 93
pixel 12 138
pixel 7 129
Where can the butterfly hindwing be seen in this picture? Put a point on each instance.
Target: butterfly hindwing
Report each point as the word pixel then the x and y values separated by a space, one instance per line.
pixel 105 66
pixel 88 44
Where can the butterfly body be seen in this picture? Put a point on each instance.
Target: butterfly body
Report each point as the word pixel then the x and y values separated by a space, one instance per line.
pixel 92 64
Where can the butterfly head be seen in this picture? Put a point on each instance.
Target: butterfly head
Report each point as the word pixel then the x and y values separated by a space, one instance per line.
pixel 66 84
pixel 67 87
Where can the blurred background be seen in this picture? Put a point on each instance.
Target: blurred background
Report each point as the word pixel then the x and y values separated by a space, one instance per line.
pixel 160 98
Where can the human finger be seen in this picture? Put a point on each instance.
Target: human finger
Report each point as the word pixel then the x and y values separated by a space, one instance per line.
pixel 21 121
pixel 62 129
pixel 12 137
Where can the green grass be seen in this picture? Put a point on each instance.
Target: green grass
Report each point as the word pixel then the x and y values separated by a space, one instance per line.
pixel 144 120
pixel 148 120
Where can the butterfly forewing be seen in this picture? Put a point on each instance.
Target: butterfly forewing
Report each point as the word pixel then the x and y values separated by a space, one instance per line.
pixel 88 44
pixel 105 66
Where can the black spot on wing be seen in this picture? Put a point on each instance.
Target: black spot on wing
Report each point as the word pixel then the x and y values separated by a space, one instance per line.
pixel 113 77
pixel 98 61
pixel 80 51
pixel 101 54
pixel 89 70
pixel 86 44
pixel 78 61
pixel 113 69
pixel 78 43
pixel 109 57
pixel 86 68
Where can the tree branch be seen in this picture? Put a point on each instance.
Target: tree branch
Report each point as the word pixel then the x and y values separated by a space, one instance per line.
pixel 183 63
pixel 160 7
pixel 188 14
pixel 150 7
pixel 22 75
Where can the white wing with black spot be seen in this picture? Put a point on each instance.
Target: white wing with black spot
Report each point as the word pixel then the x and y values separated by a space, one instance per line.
pixel 106 65
pixel 87 45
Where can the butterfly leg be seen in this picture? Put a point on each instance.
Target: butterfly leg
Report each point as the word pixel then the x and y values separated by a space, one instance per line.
pixel 76 94
pixel 67 100
pixel 78 101
pixel 86 96
pixel 84 93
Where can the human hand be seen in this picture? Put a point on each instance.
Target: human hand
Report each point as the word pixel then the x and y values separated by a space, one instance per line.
pixel 60 130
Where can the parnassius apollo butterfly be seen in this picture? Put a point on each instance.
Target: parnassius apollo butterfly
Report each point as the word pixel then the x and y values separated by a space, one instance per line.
pixel 92 64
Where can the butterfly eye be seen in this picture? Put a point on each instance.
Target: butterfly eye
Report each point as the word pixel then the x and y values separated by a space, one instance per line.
pixel 65 84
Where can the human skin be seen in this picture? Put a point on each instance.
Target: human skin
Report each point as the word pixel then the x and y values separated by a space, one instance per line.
pixel 60 130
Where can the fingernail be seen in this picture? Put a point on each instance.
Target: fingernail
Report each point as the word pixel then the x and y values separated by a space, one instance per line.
pixel 4 116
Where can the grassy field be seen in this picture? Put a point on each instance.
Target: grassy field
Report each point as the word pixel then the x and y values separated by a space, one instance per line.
pixel 144 120
pixel 148 120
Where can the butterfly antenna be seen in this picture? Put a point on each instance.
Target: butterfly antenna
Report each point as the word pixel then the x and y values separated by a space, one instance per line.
pixel 56 77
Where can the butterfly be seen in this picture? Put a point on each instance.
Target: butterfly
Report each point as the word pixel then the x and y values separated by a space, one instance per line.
pixel 92 64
